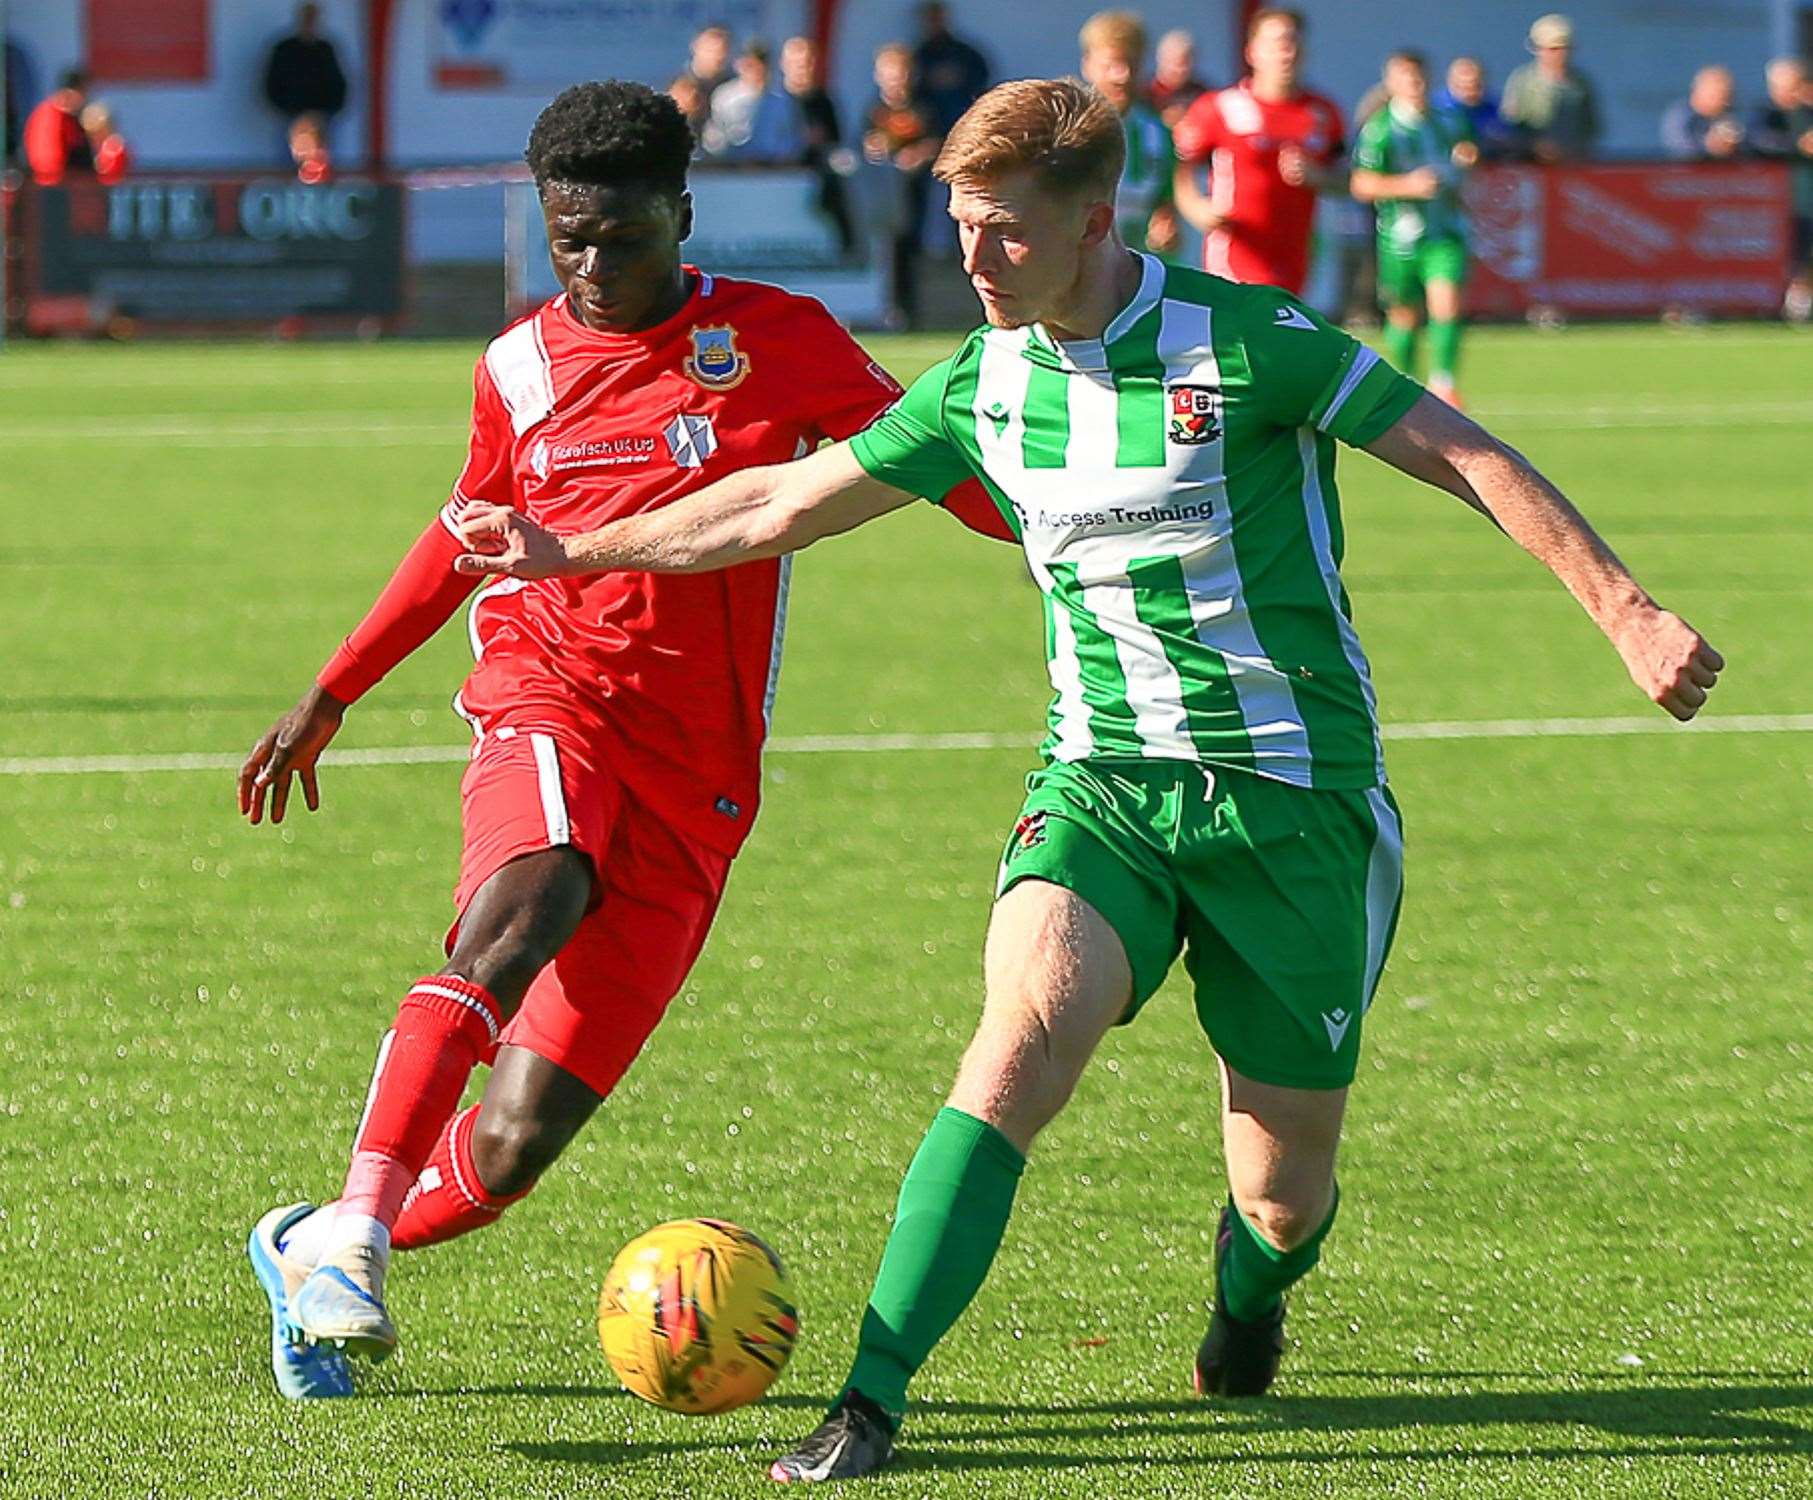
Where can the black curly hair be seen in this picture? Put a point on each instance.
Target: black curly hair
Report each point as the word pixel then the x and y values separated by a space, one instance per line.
pixel 611 134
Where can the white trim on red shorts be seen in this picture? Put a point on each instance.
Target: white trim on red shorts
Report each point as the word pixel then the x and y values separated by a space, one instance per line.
pixel 553 796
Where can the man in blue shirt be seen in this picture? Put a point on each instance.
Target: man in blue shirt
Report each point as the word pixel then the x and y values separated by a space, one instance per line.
pixel 1705 126
pixel 1466 94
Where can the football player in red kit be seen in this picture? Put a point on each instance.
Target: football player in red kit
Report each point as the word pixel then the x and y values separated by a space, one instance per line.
pixel 618 721
pixel 1271 146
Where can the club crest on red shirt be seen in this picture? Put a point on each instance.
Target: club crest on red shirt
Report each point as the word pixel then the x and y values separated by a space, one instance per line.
pixel 716 362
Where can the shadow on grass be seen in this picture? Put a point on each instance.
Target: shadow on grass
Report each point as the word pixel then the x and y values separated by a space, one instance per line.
pixel 1639 1420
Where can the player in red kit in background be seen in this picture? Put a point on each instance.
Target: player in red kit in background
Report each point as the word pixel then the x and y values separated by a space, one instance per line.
pixel 1271 147
pixel 618 722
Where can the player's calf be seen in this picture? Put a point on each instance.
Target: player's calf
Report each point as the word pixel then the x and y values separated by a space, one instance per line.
pixel 451 1197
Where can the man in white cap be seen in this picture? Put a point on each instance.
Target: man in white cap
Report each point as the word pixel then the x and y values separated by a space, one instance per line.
pixel 1549 100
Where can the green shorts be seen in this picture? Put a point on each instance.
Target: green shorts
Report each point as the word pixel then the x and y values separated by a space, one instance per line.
pixel 1403 274
pixel 1282 900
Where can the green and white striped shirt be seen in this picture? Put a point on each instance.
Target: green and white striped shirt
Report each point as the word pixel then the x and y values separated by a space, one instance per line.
pixel 1146 179
pixel 1395 142
pixel 1173 486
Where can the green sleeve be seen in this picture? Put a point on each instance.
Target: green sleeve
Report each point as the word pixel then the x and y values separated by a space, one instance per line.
pixel 1371 151
pixel 907 447
pixel 1308 373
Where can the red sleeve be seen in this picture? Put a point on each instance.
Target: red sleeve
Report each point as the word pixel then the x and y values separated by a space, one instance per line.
pixel 853 390
pixel 488 474
pixel 1199 131
pixel 421 596
pixel 846 388
pixel 972 504
pixel 425 591
pixel 46 145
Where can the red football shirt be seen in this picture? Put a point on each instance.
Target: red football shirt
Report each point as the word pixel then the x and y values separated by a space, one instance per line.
pixel 1265 235
pixel 673 673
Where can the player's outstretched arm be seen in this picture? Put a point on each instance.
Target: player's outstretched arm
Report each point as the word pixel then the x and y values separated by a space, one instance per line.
pixel 1367 186
pixel 755 513
pixel 422 593
pixel 1666 657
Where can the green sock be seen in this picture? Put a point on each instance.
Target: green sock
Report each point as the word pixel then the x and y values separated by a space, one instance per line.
pixel 1400 346
pixel 1444 350
pixel 948 1223
pixel 1255 1273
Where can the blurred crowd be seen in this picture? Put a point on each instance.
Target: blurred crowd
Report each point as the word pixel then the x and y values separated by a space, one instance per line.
pixel 750 104
pixel 1547 111
pixel 69 132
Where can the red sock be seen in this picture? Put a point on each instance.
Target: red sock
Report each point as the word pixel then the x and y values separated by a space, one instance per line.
pixel 444 1026
pixel 448 1199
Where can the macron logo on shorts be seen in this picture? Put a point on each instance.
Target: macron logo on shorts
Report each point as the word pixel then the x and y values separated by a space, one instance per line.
pixel 1337 1022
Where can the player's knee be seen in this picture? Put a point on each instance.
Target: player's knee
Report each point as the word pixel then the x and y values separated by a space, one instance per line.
pixel 505 968
pixel 1284 1222
pixel 511 1149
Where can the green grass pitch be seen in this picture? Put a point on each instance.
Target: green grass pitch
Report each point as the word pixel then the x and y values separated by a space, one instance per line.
pixel 1574 1255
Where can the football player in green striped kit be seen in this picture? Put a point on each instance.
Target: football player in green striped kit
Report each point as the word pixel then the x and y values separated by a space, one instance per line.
pixel 1113 48
pixel 1408 163
pixel 1163 442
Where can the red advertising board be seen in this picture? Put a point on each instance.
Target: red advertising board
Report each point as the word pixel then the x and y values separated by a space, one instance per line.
pixel 1628 240
pixel 148 41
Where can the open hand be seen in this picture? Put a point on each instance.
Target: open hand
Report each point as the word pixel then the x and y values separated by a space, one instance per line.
pixel 1670 660
pixel 290 746
pixel 501 540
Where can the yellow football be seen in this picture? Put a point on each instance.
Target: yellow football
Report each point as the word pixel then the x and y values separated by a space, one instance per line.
pixel 696 1315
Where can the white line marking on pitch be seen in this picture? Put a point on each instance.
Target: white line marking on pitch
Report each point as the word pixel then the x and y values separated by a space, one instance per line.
pixel 822 744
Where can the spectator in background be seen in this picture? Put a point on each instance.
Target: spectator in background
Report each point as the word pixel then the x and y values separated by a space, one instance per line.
pixel 708 60
pixel 801 78
pixel 818 111
pixel 1548 100
pixel 1784 129
pixel 303 75
pixel 951 74
pixel 695 103
pixel 1113 44
pixel 21 85
pixel 1705 126
pixel 1271 146
pixel 1175 86
pixel 1466 93
pixel 900 133
pixel 751 121
pixel 308 150
pixel 112 158
pixel 55 143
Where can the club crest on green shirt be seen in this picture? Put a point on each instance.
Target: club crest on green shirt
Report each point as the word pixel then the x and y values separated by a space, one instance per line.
pixel 1194 414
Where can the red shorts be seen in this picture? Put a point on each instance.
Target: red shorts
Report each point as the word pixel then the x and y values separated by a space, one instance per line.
pixel 654 894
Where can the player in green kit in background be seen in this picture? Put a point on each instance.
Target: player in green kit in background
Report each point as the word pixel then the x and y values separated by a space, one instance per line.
pixel 1162 442
pixel 1408 163
pixel 1113 44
